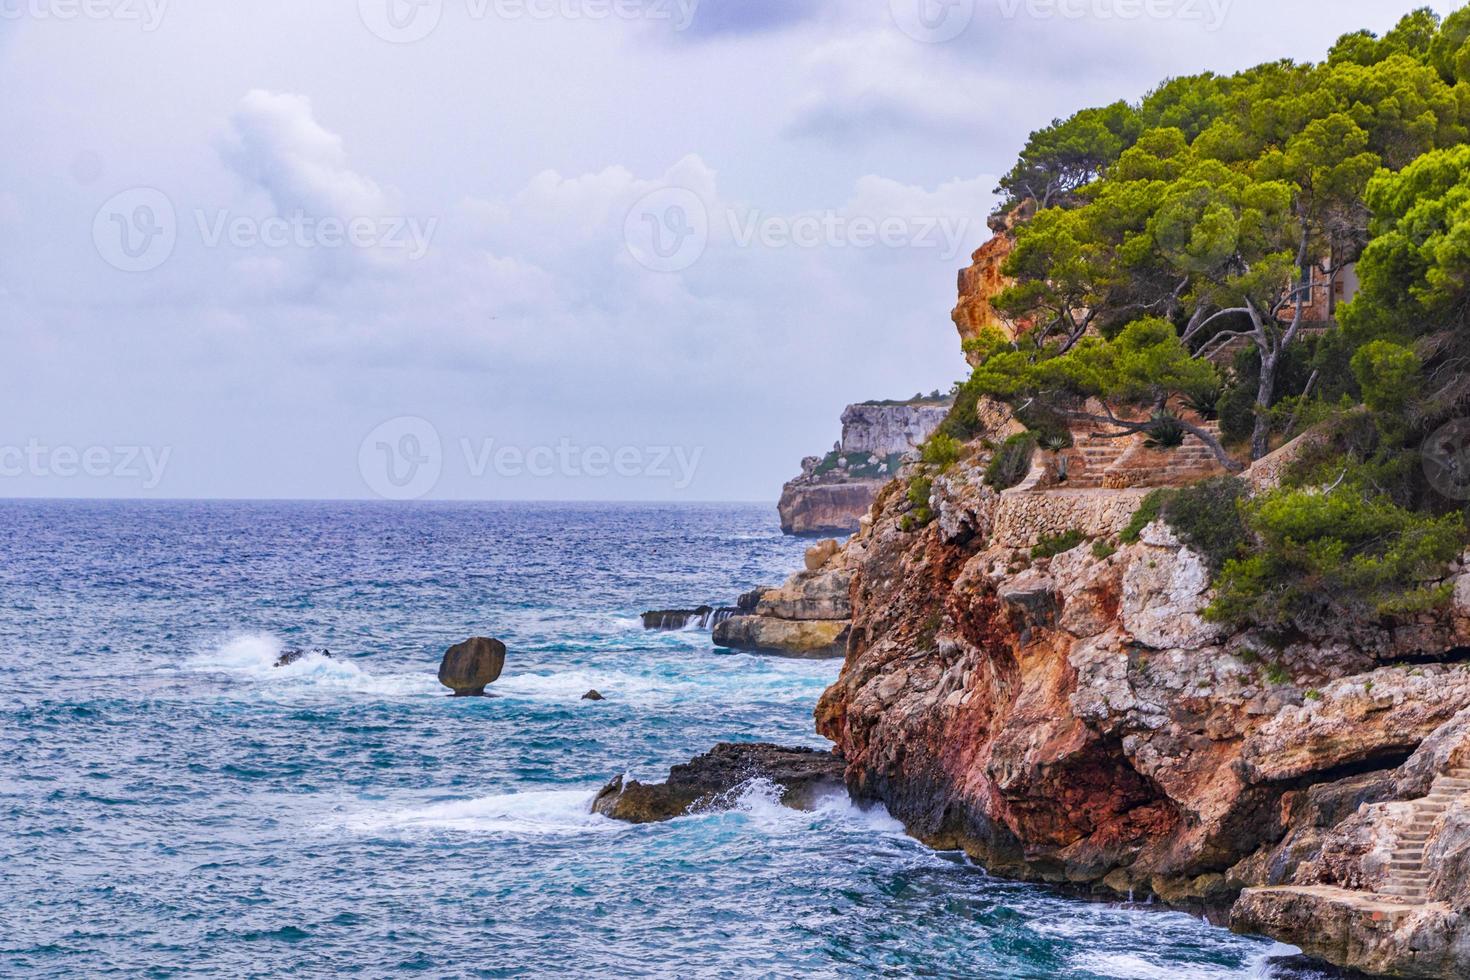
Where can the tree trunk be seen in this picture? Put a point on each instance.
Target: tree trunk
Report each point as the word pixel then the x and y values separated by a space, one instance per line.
pixel 1261 434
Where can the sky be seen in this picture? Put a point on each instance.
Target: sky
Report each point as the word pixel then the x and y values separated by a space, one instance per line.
pixel 520 249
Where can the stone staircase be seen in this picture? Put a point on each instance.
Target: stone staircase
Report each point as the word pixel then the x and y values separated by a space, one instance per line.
pixel 1408 878
pixel 1095 455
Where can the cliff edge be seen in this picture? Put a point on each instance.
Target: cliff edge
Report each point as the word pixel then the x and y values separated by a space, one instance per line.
pixel 835 491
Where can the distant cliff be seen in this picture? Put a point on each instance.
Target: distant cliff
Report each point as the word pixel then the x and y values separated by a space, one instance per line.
pixel 835 491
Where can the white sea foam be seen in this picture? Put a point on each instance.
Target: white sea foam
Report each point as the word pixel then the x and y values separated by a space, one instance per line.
pixel 535 813
pixel 759 802
pixel 251 657
pixel 1131 966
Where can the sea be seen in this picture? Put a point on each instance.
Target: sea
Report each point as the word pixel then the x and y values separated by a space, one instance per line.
pixel 174 805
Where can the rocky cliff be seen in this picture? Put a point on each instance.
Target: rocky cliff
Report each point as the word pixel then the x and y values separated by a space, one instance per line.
pixel 983 280
pixel 834 491
pixel 1076 719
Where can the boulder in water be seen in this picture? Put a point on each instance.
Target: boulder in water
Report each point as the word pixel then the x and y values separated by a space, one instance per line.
pixel 593 696
pixel 677 619
pixel 469 667
pixel 714 779
pixel 289 657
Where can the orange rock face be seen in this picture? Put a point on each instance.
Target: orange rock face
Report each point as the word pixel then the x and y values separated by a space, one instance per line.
pixel 983 280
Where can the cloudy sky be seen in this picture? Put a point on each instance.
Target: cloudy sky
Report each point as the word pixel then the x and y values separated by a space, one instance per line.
pixel 519 249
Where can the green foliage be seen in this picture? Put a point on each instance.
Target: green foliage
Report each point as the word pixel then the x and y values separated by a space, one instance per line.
pixel 1387 373
pixel 1321 558
pixel 1103 549
pixel 1277 675
pixel 1069 154
pixel 1204 400
pixel 1011 462
pixel 920 489
pixel 1207 517
pixel 962 423
pixel 1147 512
pixel 941 451
pixel 1165 431
pixel 861 465
pixel 1052 545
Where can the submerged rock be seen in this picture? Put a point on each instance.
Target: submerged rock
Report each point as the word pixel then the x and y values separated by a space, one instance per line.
pixel 702 617
pixel 714 781
pixel 469 667
pixel 290 657
pixel 811 638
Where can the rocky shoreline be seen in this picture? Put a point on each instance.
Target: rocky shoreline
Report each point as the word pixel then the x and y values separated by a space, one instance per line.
pixel 835 491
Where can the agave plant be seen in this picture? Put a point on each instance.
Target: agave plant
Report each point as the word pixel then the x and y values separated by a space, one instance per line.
pixel 1205 401
pixel 1165 431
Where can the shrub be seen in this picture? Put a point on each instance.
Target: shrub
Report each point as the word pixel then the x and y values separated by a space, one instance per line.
pixel 963 421
pixel 1052 545
pixel 1207 517
pixel 1322 559
pixel 1011 462
pixel 942 451
pixel 920 487
pixel 1102 548
pixel 1146 514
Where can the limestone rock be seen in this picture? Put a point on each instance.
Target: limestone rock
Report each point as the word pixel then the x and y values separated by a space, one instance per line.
pixel 469 667
pixel 716 779
pixel 812 638
pixel 819 554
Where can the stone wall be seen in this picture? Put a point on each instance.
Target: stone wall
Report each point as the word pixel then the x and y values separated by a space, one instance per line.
pixel 1022 517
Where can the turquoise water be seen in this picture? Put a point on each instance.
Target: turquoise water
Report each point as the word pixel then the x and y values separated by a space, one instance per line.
pixel 173 805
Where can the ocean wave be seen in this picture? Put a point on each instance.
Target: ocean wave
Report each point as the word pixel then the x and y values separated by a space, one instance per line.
pixel 252 657
pixel 531 813
pixel 758 802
